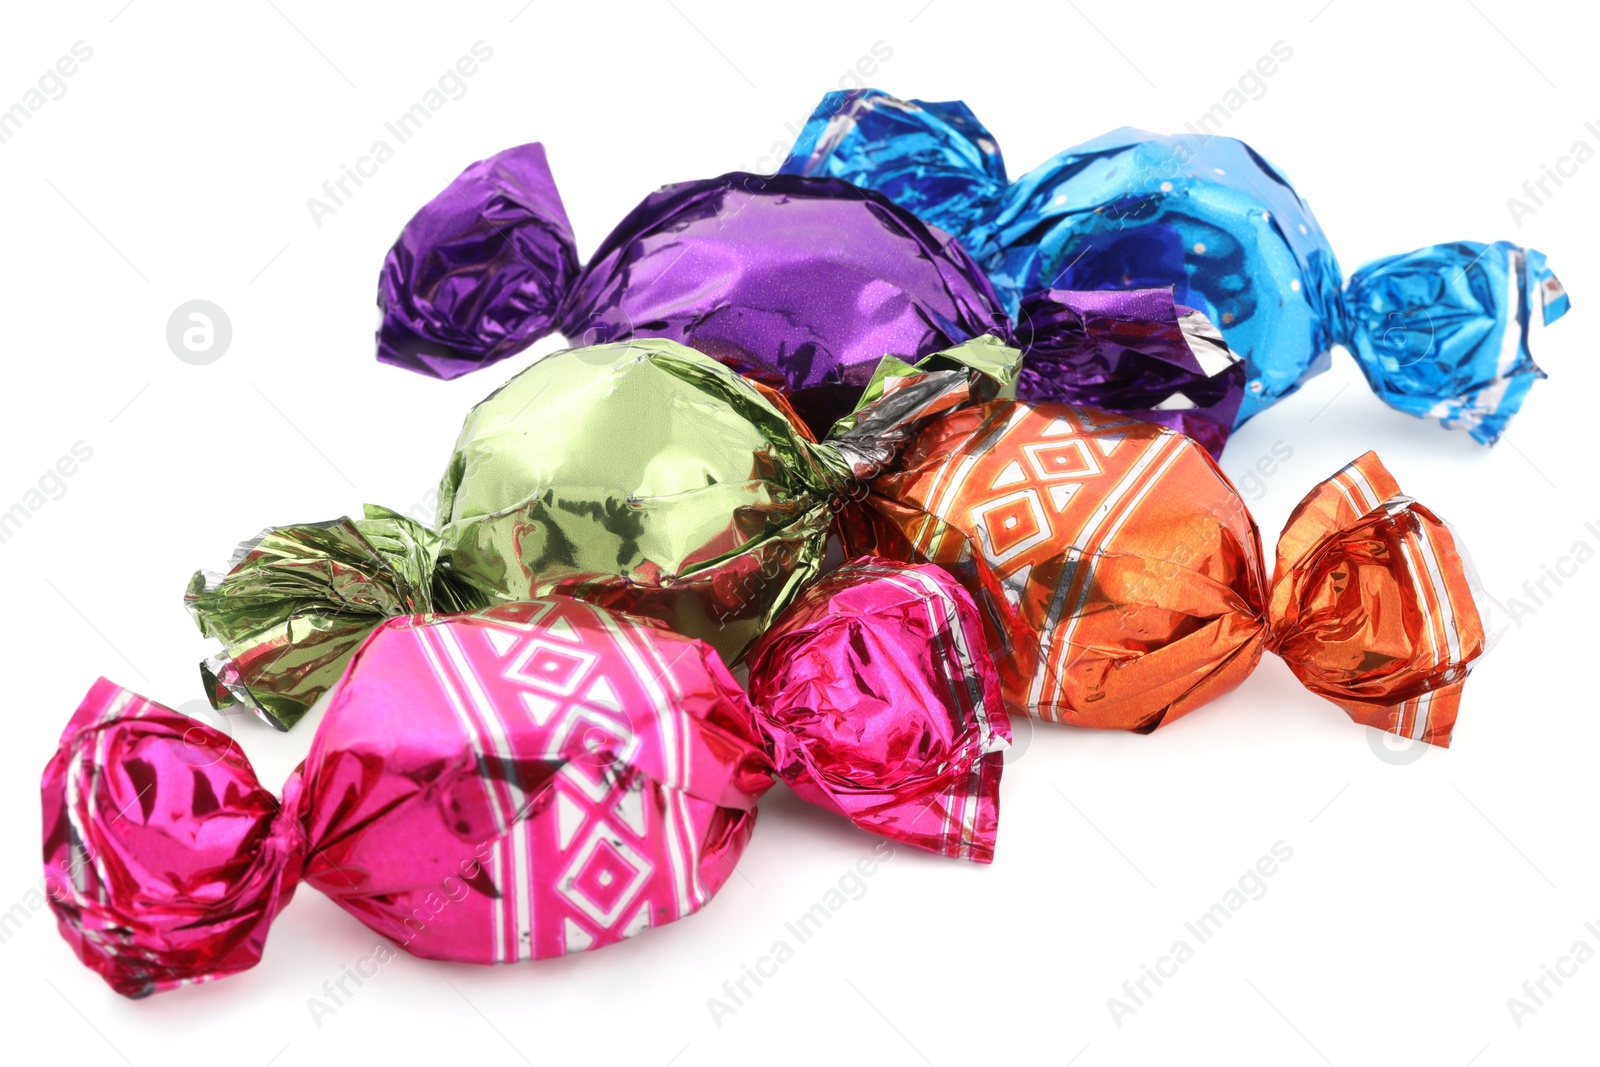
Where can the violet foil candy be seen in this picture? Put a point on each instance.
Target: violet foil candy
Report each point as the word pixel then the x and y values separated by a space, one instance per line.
pixel 800 283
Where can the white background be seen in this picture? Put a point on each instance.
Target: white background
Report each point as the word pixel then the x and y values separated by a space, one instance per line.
pixel 1420 896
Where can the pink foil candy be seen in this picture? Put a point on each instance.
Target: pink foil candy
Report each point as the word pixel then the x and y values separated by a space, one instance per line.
pixel 515 783
pixel 880 703
pixel 455 750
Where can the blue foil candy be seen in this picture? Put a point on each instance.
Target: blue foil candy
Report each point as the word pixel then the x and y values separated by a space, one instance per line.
pixel 1440 333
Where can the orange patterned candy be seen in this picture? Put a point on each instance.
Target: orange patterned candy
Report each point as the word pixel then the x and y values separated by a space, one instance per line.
pixel 1122 581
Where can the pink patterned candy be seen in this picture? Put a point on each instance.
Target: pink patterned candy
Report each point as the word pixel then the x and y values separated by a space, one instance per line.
pixel 515 783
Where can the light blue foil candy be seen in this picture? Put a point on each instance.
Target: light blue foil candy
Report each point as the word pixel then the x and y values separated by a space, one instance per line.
pixel 1440 333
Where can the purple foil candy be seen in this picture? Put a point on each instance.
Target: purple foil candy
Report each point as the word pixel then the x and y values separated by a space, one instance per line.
pixel 803 284
pixel 480 272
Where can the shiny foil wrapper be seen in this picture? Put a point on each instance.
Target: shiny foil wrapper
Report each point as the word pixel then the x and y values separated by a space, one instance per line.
pixel 1135 352
pixel 799 283
pixel 531 780
pixel 514 783
pixel 643 476
pixel 481 272
pixel 881 702
pixel 1121 577
pixel 1442 332
pixel 297 601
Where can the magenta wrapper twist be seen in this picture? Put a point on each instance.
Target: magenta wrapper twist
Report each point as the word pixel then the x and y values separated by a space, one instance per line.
pixel 879 706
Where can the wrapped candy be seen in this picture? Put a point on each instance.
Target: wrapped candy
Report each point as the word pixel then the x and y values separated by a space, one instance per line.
pixel 1122 582
pixel 514 783
pixel 795 282
pixel 801 284
pixel 1442 332
pixel 643 476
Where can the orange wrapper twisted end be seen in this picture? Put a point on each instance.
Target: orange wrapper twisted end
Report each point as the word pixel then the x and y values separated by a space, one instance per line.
pixel 1371 606
pixel 1122 582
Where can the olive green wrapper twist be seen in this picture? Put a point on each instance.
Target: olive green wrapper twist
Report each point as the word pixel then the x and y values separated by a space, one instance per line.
pixel 642 476
pixel 298 600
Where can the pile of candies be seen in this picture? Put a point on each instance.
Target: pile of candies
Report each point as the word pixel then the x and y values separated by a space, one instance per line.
pixel 1002 400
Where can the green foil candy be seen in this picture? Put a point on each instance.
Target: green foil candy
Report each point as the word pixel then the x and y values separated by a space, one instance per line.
pixel 642 476
pixel 645 477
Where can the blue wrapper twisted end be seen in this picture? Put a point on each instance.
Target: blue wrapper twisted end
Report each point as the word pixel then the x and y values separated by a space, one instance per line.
pixel 936 160
pixel 480 272
pixel 1443 332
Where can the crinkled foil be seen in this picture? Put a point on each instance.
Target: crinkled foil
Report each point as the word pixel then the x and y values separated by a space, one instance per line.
pixel 481 272
pixel 296 601
pixel 1133 352
pixel 650 478
pixel 643 476
pixel 1372 604
pixel 799 283
pixel 1121 578
pixel 520 783
pixel 881 702
pixel 1442 332
pixel 514 783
